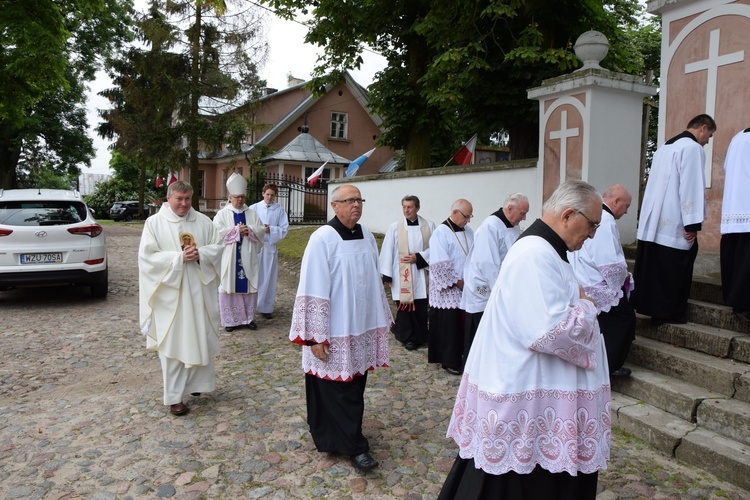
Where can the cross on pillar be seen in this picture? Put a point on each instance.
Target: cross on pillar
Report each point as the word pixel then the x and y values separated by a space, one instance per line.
pixel 711 65
pixel 563 134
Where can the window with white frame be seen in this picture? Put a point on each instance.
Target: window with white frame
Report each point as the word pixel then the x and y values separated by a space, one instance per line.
pixel 338 125
pixel 201 183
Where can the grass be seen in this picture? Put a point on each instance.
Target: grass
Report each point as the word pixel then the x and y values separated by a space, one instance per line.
pixel 293 246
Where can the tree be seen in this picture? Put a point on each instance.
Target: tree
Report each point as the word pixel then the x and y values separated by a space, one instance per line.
pixel 200 61
pixel 49 49
pixel 459 66
pixel 125 184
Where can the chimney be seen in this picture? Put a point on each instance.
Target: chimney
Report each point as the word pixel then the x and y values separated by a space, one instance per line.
pixel 292 81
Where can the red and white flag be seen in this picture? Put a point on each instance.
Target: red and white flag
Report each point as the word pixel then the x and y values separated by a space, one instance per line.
pixel 159 181
pixel 172 178
pixel 316 175
pixel 464 155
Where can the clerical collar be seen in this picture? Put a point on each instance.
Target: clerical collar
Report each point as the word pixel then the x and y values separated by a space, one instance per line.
pixel 346 233
pixel 541 229
pixel 681 136
pixel 412 223
pixel 746 130
pixel 605 207
pixel 448 222
pixel 501 215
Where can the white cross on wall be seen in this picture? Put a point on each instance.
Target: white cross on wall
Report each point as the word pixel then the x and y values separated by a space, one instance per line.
pixel 712 64
pixel 563 134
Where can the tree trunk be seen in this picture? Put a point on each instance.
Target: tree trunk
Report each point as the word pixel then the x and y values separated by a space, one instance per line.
pixel 193 118
pixel 418 150
pixel 524 141
pixel 419 143
pixel 10 153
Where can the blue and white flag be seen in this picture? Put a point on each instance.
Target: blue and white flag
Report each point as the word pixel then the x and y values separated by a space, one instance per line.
pixel 354 166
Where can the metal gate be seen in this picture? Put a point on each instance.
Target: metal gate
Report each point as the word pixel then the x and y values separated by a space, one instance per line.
pixel 303 204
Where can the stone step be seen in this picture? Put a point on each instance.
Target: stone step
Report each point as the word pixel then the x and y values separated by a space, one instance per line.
pixel 664 392
pixel 726 376
pixel 707 291
pixel 719 316
pixel 686 442
pixel 709 409
pixel 698 337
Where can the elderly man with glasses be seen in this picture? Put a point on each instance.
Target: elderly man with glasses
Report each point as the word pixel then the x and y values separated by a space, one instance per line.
pixel 341 317
pixel 532 414
pixel 243 233
pixel 450 244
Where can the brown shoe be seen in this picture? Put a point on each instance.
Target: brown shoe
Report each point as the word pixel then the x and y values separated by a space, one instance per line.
pixel 178 409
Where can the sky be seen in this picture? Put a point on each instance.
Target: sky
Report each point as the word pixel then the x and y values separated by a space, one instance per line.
pixel 287 54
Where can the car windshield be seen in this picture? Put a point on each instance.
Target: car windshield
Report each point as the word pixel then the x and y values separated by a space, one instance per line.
pixel 41 213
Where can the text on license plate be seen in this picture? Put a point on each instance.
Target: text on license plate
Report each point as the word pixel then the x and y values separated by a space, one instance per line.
pixel 41 258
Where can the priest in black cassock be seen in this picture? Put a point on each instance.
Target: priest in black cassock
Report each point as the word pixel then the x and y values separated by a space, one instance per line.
pixel 735 226
pixel 672 213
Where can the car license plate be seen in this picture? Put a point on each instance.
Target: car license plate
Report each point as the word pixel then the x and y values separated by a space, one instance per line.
pixel 41 258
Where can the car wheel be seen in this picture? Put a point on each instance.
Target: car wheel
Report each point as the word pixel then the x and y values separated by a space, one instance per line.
pixel 128 217
pixel 100 288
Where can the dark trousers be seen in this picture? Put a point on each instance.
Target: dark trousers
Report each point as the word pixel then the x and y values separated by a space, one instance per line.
pixel 618 328
pixel 470 330
pixel 446 337
pixel 663 276
pixel 466 482
pixel 735 270
pixel 334 414
pixel 411 326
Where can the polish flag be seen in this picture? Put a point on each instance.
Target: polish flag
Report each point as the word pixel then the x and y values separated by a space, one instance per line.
pixel 464 155
pixel 172 178
pixel 316 175
pixel 159 181
pixel 354 166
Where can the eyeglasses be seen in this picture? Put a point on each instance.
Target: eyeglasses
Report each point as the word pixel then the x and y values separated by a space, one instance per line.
pixel 350 201
pixel 466 216
pixel 594 225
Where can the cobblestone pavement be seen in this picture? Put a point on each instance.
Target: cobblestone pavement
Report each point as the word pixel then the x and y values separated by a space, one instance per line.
pixel 81 413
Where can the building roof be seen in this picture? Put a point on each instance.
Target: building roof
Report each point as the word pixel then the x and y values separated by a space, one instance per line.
pixel 305 148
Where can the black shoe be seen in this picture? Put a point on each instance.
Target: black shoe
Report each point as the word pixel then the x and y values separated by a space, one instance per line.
pixel 267 315
pixel 743 315
pixel 453 371
pixel 252 325
pixel 196 394
pixel 410 346
pixel 230 328
pixel 364 461
pixel 621 373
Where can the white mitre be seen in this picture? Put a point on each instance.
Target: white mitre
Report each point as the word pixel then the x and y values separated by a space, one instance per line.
pixel 236 185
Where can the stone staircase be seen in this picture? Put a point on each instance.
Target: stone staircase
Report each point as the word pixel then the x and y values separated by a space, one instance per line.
pixel 689 393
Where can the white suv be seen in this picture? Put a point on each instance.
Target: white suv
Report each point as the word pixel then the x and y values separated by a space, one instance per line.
pixel 48 236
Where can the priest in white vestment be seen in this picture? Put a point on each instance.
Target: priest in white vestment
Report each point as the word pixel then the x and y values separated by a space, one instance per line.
pixel 404 257
pixel 242 232
pixel 178 306
pixel 532 414
pixel 492 241
pixel 341 318
pixel 672 213
pixel 601 268
pixel 450 245
pixel 735 226
pixel 276 222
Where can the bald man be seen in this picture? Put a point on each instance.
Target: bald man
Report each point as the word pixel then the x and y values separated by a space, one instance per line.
pixel 601 268
pixel 450 244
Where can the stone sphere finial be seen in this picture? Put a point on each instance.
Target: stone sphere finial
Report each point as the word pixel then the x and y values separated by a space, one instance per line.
pixel 591 47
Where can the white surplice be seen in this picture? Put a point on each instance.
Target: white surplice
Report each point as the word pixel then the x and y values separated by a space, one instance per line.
pixel 448 252
pixel 341 302
pixel 735 209
pixel 600 265
pixel 675 194
pixel 278 224
pixel 492 241
pixel 178 304
pixel 535 388
pixel 389 258
pixel 250 247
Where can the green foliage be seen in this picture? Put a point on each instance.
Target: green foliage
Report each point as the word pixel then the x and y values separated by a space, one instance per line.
pixel 50 49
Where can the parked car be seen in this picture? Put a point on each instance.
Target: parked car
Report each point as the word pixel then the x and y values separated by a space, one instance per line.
pixel 126 210
pixel 48 236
